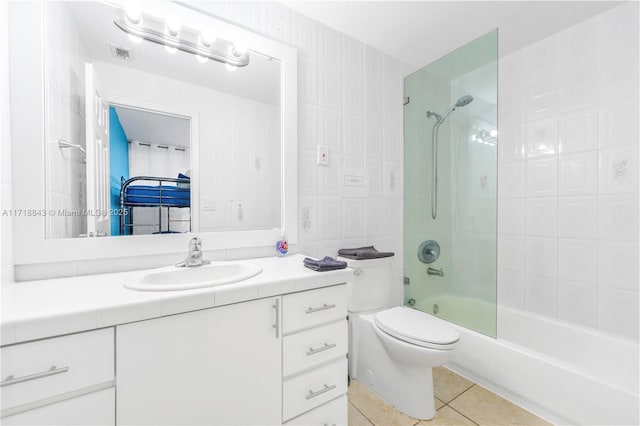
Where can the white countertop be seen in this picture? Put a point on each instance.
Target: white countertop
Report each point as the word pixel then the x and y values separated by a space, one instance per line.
pixel 39 309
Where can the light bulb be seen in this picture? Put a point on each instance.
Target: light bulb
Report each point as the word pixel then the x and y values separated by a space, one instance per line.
pixel 240 47
pixel 173 24
pixel 133 11
pixel 135 39
pixel 473 137
pixel 207 37
pixel 230 67
pixel 493 133
pixel 202 59
pixel 170 49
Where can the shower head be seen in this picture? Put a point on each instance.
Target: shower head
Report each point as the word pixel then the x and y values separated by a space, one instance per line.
pixel 463 101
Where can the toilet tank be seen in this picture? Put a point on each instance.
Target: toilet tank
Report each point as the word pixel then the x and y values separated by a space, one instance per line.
pixel 370 286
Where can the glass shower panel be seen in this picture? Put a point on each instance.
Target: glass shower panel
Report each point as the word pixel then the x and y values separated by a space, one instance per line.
pixel 451 134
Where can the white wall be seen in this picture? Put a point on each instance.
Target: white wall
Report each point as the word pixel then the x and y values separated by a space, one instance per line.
pixel 568 176
pixel 6 223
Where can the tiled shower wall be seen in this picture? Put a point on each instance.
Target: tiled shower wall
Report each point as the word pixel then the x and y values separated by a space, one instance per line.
pixel 568 175
pixel 350 100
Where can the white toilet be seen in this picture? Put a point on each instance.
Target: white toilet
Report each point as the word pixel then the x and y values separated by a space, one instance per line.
pixel 392 350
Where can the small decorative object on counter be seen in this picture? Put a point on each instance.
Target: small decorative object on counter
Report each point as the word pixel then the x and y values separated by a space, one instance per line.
pixel 282 246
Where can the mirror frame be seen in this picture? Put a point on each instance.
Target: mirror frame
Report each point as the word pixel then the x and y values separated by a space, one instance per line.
pixel 26 66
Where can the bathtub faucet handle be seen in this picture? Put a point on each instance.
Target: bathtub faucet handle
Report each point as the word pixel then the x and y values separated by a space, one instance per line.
pixel 434 271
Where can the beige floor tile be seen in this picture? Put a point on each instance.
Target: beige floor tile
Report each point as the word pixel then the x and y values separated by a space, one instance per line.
pixel 447 416
pixel 439 404
pixel 356 418
pixel 487 408
pixel 377 411
pixel 447 384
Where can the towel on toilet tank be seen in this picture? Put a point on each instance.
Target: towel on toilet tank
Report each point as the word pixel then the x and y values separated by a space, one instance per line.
pixel 327 263
pixel 361 253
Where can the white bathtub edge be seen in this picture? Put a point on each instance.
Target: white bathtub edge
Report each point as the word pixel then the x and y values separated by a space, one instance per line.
pixel 548 390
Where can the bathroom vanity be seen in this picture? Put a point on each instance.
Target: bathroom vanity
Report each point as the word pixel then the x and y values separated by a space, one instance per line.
pixel 267 350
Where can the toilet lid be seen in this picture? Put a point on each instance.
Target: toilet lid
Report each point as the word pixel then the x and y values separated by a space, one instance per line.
pixel 419 328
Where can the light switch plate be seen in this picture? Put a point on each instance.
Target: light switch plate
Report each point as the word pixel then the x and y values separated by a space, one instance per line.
pixel 323 155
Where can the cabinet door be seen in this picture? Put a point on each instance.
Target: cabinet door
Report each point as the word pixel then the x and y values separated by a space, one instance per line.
pixel 97 408
pixel 215 366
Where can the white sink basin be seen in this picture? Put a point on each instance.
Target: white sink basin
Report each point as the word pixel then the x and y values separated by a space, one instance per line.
pixel 174 278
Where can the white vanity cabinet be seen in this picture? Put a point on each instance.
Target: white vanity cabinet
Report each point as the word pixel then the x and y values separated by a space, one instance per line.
pixel 67 380
pixel 314 361
pixel 215 366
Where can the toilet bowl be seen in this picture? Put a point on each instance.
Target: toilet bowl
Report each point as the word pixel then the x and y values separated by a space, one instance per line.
pixel 392 350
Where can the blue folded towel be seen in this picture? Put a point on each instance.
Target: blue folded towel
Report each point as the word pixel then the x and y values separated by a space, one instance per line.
pixel 327 263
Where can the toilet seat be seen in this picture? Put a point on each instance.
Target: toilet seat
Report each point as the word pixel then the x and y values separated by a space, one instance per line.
pixel 416 327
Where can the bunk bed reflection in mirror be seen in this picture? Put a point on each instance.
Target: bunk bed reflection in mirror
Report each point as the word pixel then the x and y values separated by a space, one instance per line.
pixel 150 173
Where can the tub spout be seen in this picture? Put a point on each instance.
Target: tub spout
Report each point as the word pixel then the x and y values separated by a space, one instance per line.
pixel 434 271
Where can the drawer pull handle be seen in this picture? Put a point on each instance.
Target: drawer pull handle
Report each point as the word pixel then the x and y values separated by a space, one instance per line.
pixel 326 388
pixel 10 380
pixel 324 348
pixel 324 307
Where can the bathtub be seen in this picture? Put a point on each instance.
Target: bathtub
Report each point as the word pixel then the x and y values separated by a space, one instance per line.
pixel 564 373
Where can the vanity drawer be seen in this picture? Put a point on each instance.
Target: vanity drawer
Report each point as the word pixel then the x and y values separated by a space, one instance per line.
pixel 310 308
pixel 333 413
pixel 312 347
pixel 51 367
pixel 310 390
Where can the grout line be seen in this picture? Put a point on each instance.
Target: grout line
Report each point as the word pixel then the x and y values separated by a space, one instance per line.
pixel 458 396
pixel 361 413
pixel 463 415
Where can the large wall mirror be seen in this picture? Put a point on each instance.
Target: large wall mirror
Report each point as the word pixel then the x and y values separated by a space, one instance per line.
pixel 141 139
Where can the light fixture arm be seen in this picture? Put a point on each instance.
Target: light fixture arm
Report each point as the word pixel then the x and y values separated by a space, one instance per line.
pixel 187 40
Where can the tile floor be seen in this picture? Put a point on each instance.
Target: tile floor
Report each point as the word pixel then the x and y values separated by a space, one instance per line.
pixel 458 402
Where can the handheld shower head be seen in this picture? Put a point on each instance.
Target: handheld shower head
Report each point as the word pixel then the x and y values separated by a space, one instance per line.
pixel 463 101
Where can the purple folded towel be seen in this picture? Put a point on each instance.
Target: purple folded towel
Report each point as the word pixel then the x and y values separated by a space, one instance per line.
pixel 361 253
pixel 325 264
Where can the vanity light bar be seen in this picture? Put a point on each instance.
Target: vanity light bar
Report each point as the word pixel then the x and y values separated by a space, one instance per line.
pixel 186 39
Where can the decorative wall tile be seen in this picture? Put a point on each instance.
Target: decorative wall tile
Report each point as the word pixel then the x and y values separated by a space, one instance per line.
pixel 577 217
pixel 618 170
pixel 307 126
pixel 330 87
pixel 330 46
pixel 353 94
pixel 353 218
pixel 353 136
pixel 511 179
pixel 307 81
pixel 330 215
pixel 511 216
pixel 304 35
pixel 577 131
pixel 374 218
pixel 541 295
pixel 577 260
pixel 618 217
pixel 511 289
pixel 576 174
pixel 510 143
pixel 353 56
pixel 308 220
pixel 511 252
pixel 541 216
pixel 618 264
pixel 577 303
pixel 541 256
pixel 541 177
pixel 330 129
pixel 541 138
pixel 618 123
pixel 618 311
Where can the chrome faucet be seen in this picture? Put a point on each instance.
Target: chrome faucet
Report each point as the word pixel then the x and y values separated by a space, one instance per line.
pixel 194 258
pixel 434 271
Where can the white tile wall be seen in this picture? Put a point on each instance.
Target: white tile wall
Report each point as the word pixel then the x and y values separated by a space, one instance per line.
pixel 568 214
pixel 6 223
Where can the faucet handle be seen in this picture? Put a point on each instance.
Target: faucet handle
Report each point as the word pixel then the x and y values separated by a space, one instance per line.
pixel 195 244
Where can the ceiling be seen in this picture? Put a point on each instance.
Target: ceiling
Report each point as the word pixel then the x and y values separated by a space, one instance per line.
pixel 145 126
pixel 419 32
